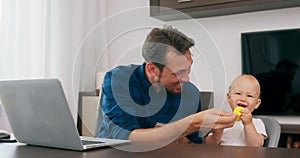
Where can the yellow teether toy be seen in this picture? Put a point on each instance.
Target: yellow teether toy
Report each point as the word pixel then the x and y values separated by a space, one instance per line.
pixel 237 111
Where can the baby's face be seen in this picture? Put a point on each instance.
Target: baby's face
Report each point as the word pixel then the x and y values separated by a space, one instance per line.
pixel 244 93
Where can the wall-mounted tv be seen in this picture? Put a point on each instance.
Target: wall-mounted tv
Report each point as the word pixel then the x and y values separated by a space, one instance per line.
pixel 273 58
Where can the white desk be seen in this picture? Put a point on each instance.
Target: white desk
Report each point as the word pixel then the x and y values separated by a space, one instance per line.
pixel 289 124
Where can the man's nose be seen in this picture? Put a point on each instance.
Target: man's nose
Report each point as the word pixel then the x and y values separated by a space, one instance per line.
pixel 184 78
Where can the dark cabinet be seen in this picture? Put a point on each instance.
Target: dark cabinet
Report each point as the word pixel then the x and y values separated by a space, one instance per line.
pixel 183 9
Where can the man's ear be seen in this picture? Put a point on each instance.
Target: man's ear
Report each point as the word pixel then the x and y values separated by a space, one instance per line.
pixel 151 69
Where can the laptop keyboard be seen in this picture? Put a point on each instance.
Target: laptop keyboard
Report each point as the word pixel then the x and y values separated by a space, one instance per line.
pixel 87 142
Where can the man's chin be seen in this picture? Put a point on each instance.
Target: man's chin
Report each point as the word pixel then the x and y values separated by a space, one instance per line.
pixel 176 91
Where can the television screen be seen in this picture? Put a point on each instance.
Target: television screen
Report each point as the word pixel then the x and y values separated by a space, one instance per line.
pixel 273 58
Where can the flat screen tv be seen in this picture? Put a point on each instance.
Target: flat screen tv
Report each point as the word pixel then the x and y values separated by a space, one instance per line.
pixel 273 58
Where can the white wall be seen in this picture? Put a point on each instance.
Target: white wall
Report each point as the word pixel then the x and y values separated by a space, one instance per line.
pixel 223 31
pixel 226 32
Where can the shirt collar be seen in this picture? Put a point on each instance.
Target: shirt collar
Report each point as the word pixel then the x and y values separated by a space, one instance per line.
pixel 142 73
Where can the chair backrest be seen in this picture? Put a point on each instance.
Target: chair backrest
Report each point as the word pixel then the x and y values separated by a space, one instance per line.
pixel 99 115
pixel 273 130
pixel 207 99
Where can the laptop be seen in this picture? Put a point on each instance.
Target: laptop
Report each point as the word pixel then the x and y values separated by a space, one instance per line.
pixel 39 114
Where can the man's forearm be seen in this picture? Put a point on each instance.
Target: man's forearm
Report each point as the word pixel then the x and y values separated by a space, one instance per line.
pixel 168 132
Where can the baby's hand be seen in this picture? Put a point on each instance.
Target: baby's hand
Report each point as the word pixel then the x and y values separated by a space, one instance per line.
pixel 246 116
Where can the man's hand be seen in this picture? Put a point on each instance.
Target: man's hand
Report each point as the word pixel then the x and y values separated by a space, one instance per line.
pixel 217 134
pixel 214 119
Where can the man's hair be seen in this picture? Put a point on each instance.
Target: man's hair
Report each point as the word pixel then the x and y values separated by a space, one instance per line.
pixel 162 40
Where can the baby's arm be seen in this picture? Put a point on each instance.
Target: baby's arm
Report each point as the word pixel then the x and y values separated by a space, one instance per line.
pixel 215 137
pixel 253 138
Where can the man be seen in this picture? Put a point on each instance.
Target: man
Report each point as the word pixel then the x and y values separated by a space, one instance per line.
pixel 155 101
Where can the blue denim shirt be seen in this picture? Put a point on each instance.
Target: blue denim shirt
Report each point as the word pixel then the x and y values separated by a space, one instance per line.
pixel 131 102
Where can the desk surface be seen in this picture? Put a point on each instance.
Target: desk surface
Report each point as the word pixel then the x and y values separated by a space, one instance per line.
pixel 15 150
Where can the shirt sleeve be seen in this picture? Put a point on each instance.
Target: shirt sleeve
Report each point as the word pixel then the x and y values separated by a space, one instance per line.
pixel 260 127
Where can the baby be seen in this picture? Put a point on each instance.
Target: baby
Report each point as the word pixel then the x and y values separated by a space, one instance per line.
pixel 243 93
